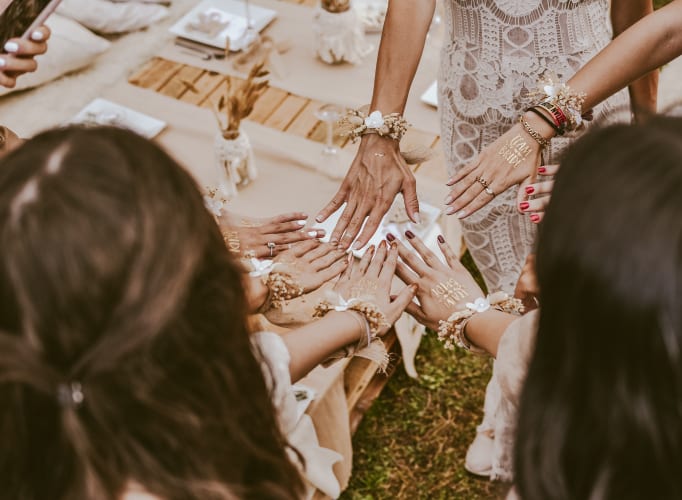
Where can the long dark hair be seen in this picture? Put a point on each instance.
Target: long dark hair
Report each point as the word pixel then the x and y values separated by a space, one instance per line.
pixel 114 276
pixel 601 410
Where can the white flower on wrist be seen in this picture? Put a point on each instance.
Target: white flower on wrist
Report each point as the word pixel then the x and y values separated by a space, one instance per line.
pixel 479 305
pixel 374 120
pixel 214 206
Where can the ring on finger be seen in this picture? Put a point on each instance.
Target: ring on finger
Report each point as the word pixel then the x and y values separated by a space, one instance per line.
pixel 271 246
pixel 482 182
pixel 490 192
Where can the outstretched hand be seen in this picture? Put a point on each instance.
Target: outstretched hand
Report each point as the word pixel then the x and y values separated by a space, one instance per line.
pixel 378 173
pixel 534 196
pixel 311 264
pixel 443 287
pixel 19 56
pixel 371 278
pixel 510 160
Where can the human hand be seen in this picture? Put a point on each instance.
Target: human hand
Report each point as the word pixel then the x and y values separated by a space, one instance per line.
pixel 527 289
pixel 540 191
pixel 511 159
pixel 443 287
pixel 311 264
pixel 8 141
pixel 378 173
pixel 265 238
pixel 19 56
pixel 370 279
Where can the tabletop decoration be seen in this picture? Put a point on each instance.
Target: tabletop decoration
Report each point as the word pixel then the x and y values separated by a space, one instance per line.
pixel 233 151
pixel 339 33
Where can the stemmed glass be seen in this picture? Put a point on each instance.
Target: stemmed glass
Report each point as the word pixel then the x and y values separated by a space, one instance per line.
pixel 329 114
pixel 248 43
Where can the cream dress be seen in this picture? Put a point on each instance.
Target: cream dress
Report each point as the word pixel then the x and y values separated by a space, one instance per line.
pixel 494 52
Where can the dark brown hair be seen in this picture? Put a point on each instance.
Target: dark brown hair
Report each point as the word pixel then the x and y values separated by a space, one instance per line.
pixel 114 276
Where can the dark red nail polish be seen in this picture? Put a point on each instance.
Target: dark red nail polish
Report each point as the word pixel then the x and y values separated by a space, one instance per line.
pixel 542 170
pixel 441 240
pixel 390 237
pixel 524 205
pixel 530 189
pixel 535 218
pixel 409 234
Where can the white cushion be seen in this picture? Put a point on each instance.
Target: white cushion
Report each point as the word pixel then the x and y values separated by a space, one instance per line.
pixel 71 47
pixel 104 16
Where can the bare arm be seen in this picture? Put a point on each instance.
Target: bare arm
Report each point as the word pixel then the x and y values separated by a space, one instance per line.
pixel 643 92
pixel 378 172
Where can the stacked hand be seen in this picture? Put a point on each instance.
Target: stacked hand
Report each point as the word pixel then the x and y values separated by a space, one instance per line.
pixel 442 287
pixel 534 197
pixel 370 280
pixel 375 177
pixel 311 264
pixel 19 56
pixel 265 238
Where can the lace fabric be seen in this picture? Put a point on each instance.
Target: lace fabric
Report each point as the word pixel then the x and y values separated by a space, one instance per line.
pixel 493 54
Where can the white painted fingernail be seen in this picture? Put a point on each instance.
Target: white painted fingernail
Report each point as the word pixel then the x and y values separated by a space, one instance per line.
pixel 417 218
pixel 37 36
pixel 11 47
pixel 318 218
pixel 301 223
pixel 312 234
pixel 461 214
pixel 450 211
pixel 357 245
pixel 2 63
pixel 449 200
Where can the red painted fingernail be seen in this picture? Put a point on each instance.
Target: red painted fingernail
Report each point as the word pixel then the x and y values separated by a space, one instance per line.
pixel 390 237
pixel 409 234
pixel 524 205
pixel 530 189
pixel 441 240
pixel 535 218
pixel 542 170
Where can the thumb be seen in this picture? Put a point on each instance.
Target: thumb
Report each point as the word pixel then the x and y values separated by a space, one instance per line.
pixel 411 200
pixel 401 301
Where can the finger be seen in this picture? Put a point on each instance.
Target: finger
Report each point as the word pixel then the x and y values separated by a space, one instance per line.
pixel 291 237
pixel 412 260
pixel 538 204
pixel 537 217
pixel 354 227
pixel 339 198
pixel 288 217
pixel 25 48
pixel 282 227
pixel 406 274
pixel 450 257
pixel 342 223
pixel 463 194
pixel 373 222
pixel 318 252
pixel 401 301
pixel 7 81
pixel 544 187
pixel 374 267
pixel 416 312
pixel 462 173
pixel 304 247
pixel 348 271
pixel 389 267
pixel 426 254
pixel 411 200
pixel 548 170
pixel 333 271
pixel 521 195
pixel 42 34
pixel 327 260
pixel 361 267
pixel 11 64
pixel 476 203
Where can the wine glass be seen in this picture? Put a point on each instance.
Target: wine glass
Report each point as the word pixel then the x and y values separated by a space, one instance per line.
pixel 329 114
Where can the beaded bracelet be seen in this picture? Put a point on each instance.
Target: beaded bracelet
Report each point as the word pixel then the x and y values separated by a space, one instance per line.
pixel 451 331
pixel 392 125
pixel 282 287
pixel 564 99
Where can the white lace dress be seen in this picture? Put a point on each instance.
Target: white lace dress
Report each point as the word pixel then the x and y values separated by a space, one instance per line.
pixel 494 52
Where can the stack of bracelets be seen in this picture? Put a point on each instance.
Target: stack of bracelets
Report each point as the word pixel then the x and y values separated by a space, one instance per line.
pixel 560 107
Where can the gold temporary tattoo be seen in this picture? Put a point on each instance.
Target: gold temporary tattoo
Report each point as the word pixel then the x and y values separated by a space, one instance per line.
pixel 515 151
pixel 363 288
pixel 232 240
pixel 450 292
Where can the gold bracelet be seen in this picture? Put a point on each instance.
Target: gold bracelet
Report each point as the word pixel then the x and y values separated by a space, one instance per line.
pixel 563 97
pixel 533 133
pixel 451 331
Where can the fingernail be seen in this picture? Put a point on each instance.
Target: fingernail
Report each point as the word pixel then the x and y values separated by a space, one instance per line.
pixel 441 240
pixel 530 189
pixel 409 234
pixel 334 242
pixel 321 233
pixel 11 47
pixel 449 200
pixel 2 62
pixel 461 214
pixel 312 234
pixel 524 205
pixel 357 246
pixel 318 218
pixel 414 288
pixel 535 218
pixel 449 183
pixel 390 237
pixel 300 223
pixel 542 170
pixel 417 218
pixel 394 246
pixel 450 211
pixel 37 36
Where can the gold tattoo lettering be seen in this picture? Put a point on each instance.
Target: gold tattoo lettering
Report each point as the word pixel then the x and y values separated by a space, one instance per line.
pixel 232 240
pixel 449 293
pixel 515 151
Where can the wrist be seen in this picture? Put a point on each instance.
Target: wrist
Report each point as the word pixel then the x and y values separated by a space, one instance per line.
pixel 539 125
pixel 353 326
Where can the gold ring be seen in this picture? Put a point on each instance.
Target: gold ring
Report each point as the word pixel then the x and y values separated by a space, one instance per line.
pixel 271 246
pixel 482 182
pixel 490 192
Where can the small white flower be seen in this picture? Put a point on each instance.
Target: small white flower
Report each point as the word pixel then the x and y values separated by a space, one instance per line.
pixel 260 267
pixel 214 206
pixel 479 305
pixel 374 120
pixel 550 90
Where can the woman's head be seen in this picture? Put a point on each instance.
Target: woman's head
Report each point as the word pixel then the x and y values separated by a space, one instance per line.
pixel 601 412
pixel 114 276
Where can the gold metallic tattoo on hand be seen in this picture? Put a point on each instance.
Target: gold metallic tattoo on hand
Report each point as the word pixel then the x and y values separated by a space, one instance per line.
pixel 515 151
pixel 449 293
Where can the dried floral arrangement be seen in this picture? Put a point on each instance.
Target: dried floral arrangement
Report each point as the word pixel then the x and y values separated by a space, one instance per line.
pixel 238 100
pixel 335 6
